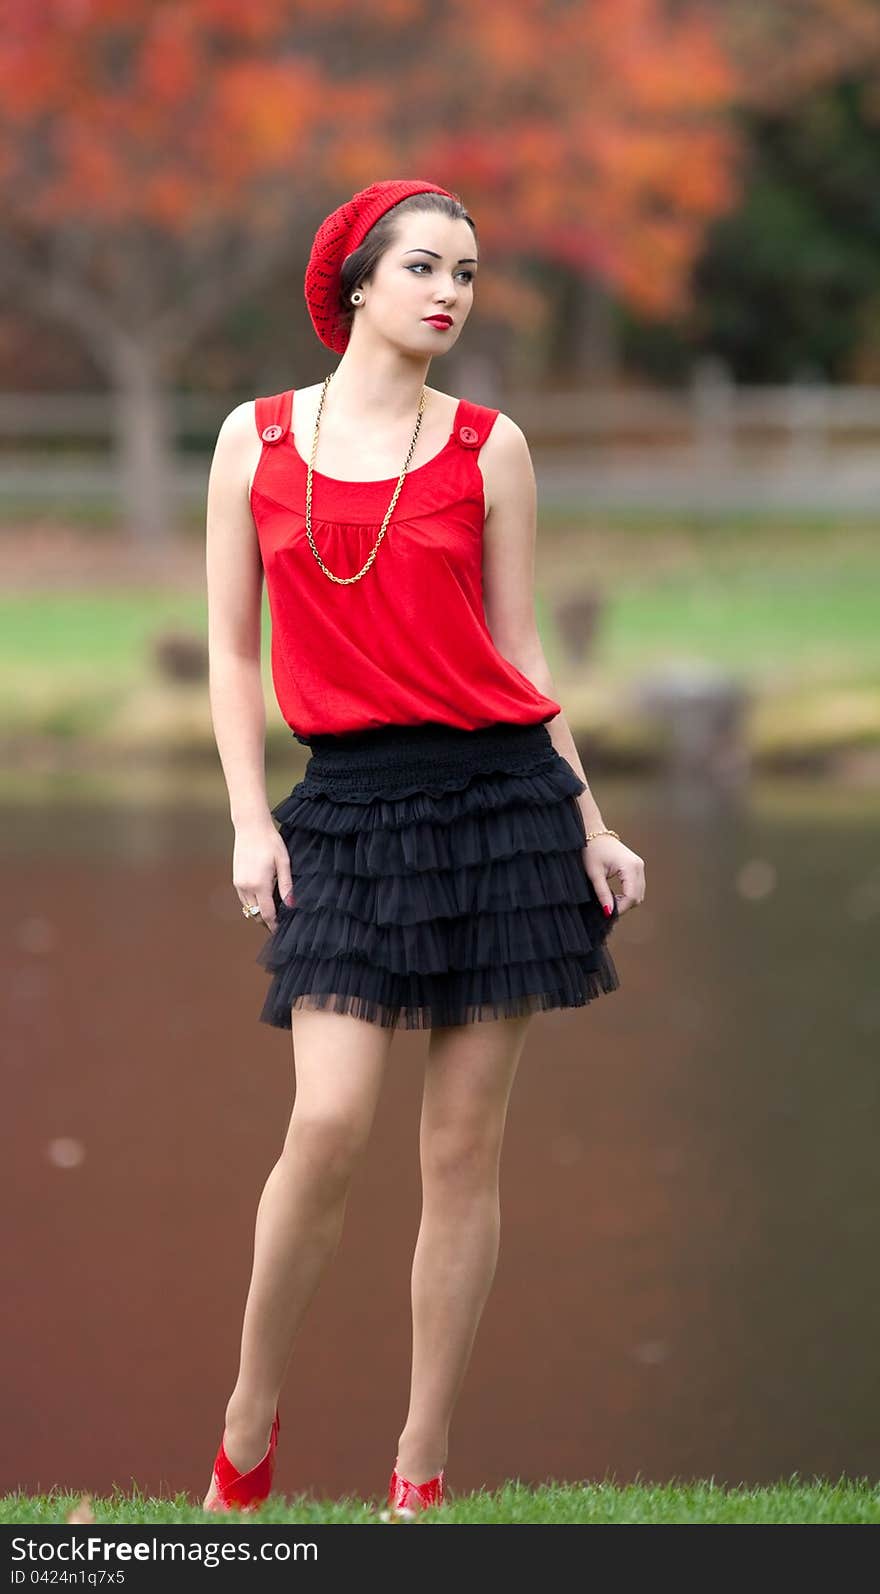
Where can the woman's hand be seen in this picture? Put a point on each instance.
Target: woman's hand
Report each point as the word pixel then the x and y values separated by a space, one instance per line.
pixel 259 858
pixel 604 856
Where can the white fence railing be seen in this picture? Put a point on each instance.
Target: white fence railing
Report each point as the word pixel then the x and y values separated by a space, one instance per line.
pixel 710 444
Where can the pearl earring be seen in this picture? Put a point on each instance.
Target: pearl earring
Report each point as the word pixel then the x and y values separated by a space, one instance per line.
pixel 357 297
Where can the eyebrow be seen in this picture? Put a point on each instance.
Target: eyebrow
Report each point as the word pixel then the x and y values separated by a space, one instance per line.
pixel 466 260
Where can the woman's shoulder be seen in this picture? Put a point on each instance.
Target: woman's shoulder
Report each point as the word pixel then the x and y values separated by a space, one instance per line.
pixel 469 412
pixel 491 412
pixel 244 421
pixel 238 419
pixel 451 399
pixel 497 430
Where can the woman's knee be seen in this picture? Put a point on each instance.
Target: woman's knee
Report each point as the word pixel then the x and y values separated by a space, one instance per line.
pixel 328 1145
pixel 461 1155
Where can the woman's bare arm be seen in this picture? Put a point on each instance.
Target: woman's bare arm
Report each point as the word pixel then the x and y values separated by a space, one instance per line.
pixel 238 710
pixel 508 599
pixel 509 577
pixel 235 592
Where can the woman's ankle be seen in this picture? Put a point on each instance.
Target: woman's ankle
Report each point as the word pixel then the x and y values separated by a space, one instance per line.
pixel 421 1456
pixel 250 1413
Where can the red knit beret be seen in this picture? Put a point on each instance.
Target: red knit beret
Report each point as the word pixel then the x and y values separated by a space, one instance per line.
pixel 337 237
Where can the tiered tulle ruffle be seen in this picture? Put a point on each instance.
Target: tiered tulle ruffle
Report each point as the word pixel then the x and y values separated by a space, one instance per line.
pixel 437 880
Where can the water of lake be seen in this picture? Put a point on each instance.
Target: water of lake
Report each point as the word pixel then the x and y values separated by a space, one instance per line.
pixel 687 1283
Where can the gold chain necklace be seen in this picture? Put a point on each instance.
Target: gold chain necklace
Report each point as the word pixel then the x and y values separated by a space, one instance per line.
pixel 345 581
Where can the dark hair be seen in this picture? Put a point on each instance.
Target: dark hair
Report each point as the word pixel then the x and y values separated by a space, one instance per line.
pixel 361 263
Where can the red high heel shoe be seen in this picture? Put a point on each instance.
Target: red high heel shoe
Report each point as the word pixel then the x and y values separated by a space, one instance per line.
pixel 406 1496
pixel 246 1490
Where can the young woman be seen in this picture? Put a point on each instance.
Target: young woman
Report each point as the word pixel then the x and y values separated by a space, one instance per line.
pixel 443 863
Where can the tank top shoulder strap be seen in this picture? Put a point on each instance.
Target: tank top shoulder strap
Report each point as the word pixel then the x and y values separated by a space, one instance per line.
pixel 473 423
pixel 273 415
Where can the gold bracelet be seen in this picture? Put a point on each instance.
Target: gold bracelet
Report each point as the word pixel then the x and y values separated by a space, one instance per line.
pixel 603 833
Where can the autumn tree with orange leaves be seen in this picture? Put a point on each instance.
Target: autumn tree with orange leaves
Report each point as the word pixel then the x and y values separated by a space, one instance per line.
pixel 163 161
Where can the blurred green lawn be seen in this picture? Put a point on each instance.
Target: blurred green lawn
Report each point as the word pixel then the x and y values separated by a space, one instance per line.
pixel 788 606
pixel 755 621
pixel 97 631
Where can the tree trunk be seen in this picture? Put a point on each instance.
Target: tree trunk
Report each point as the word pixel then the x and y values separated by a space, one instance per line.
pixel 596 350
pixel 145 450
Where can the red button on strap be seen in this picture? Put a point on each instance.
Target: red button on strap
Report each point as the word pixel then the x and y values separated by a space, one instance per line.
pixel 468 436
pixel 271 434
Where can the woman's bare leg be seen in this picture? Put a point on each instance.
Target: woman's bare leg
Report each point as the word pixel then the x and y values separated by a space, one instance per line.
pixel 339 1067
pixel 469 1077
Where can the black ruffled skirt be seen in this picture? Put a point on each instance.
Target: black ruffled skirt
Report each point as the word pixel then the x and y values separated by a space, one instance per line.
pixel 438 878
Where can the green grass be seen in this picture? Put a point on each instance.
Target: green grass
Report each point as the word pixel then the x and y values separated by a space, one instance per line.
pixel 787 606
pixel 756 621
pixel 815 1501
pixel 106 629
pixel 754 617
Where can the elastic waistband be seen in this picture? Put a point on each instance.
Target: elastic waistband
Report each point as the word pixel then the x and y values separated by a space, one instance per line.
pixel 428 749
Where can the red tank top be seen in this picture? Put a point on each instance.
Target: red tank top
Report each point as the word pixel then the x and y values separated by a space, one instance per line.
pixel 408 642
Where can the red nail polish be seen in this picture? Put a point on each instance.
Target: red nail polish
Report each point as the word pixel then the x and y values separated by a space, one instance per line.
pixel 606 910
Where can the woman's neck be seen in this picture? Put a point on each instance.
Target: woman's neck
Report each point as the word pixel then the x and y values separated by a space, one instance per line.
pixel 389 386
